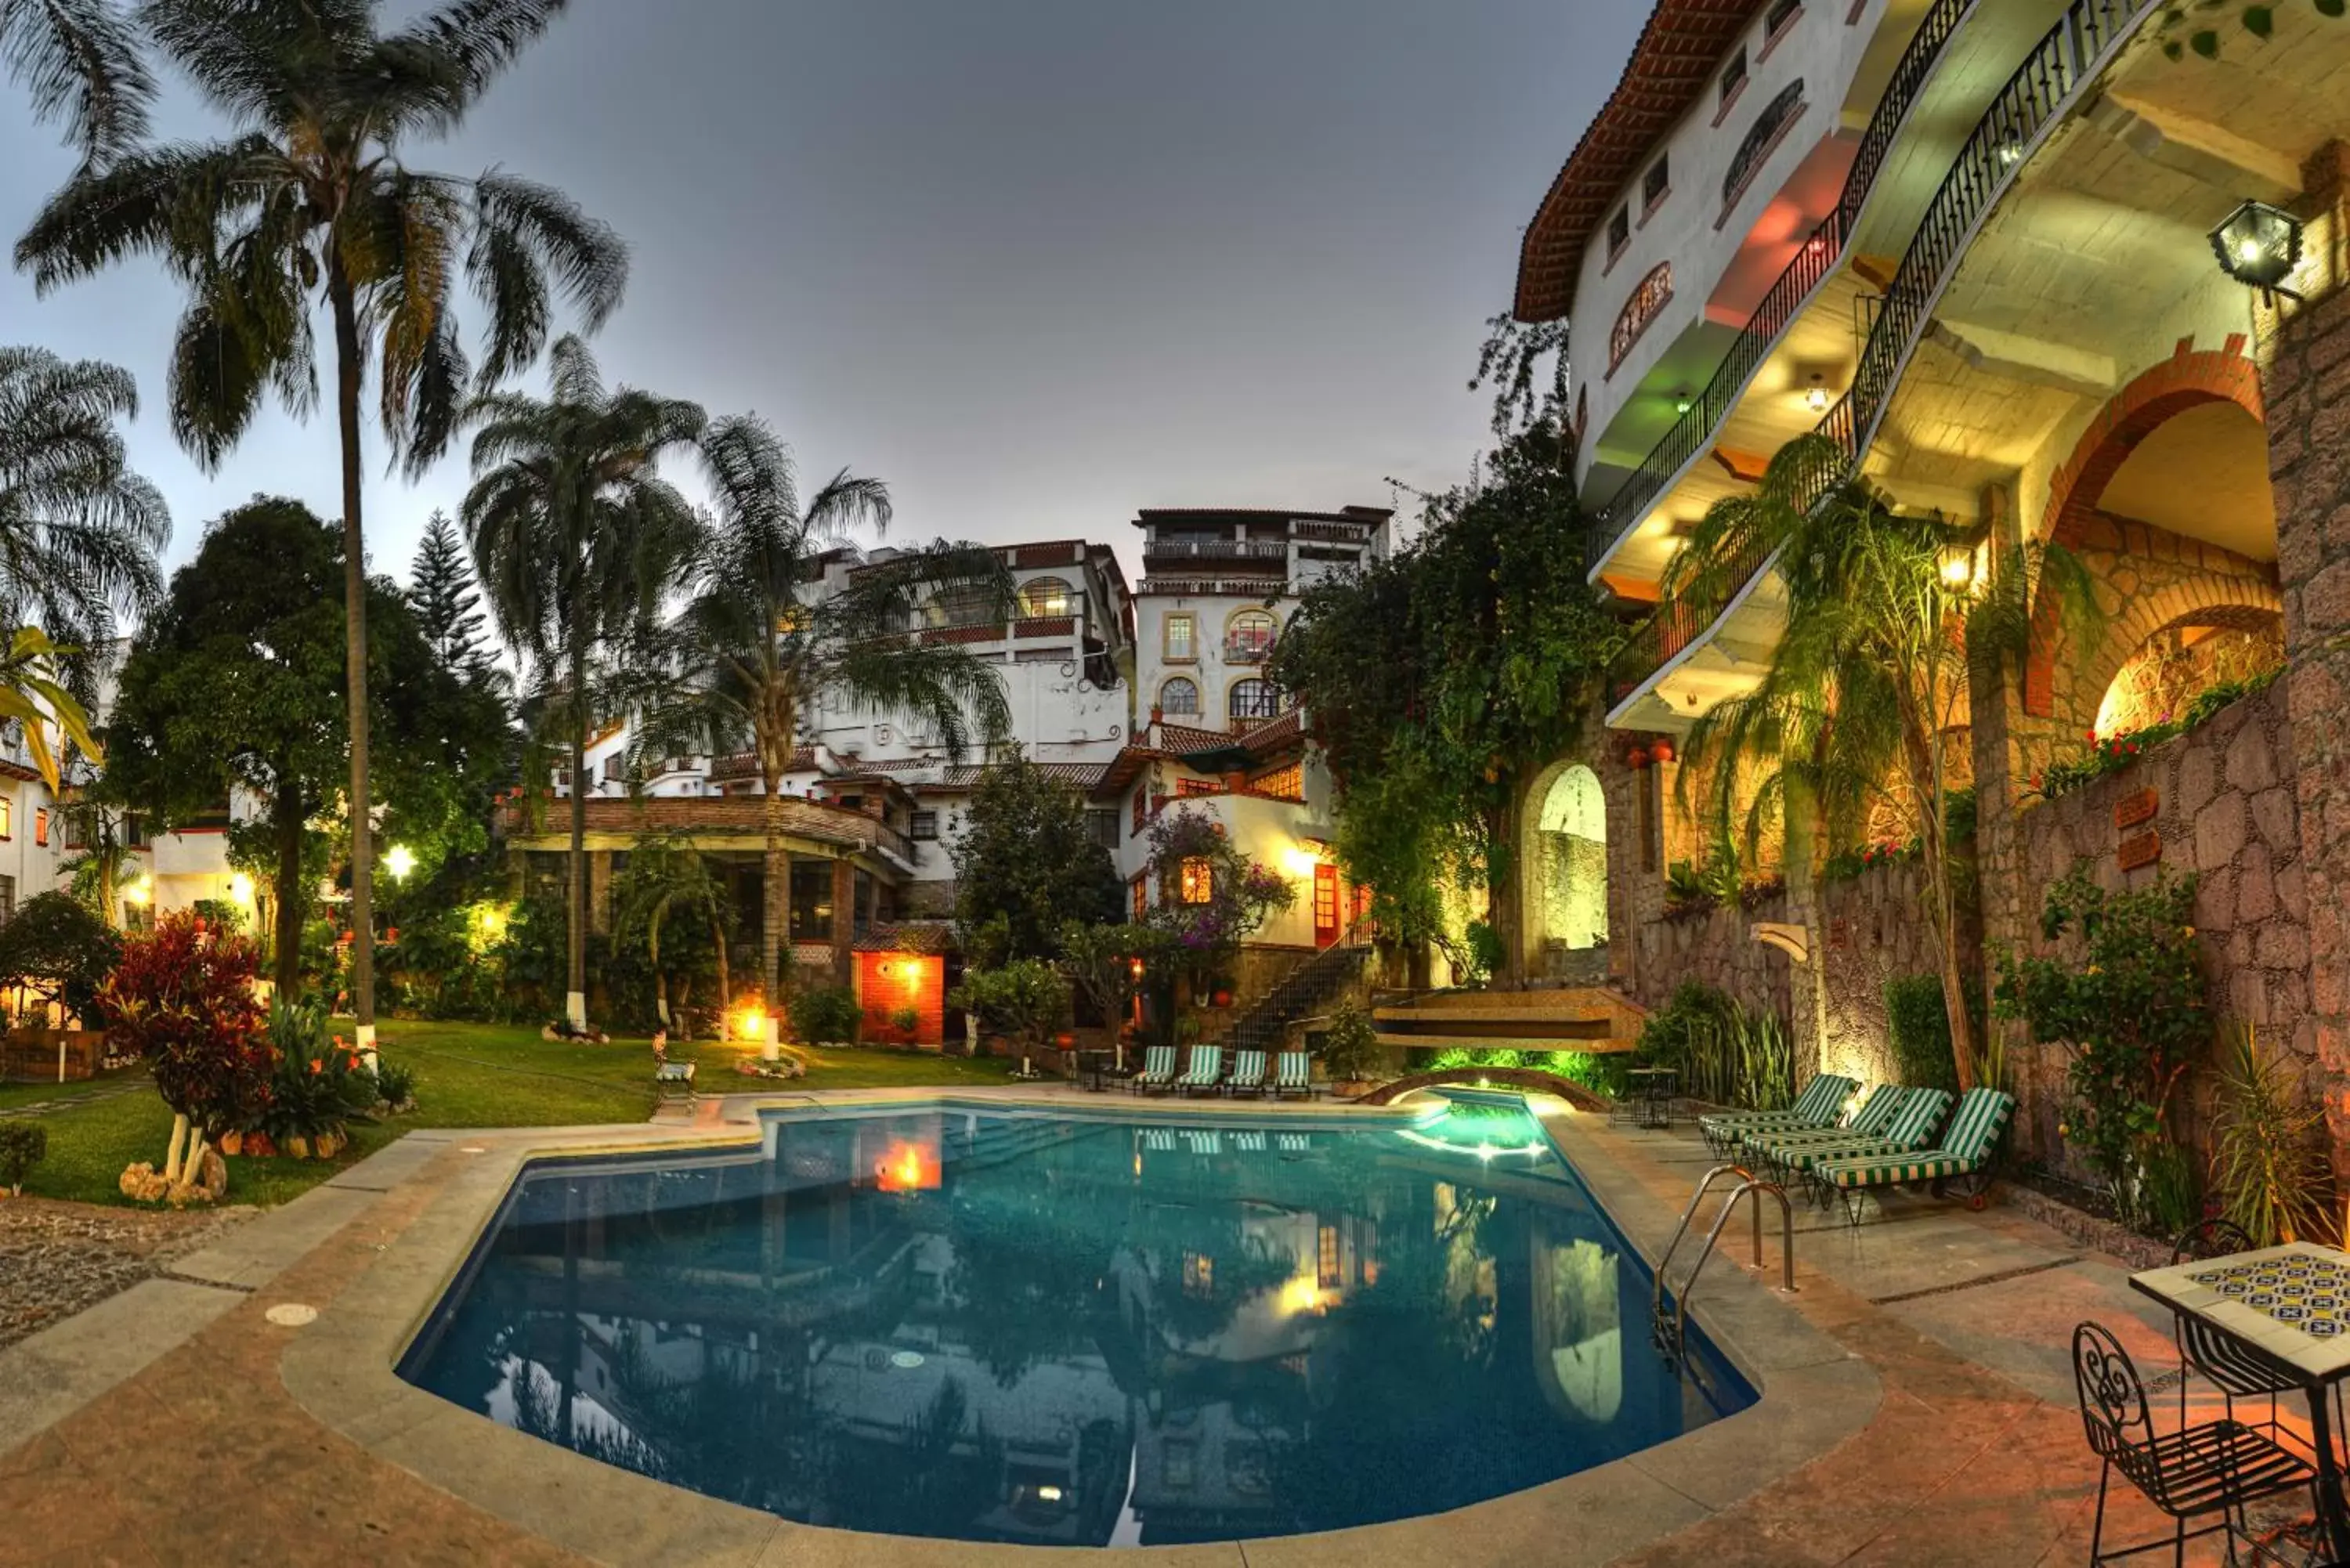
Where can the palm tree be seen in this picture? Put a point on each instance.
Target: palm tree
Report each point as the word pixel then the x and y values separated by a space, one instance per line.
pixel 668 878
pixel 576 538
pixel 753 647
pixel 79 531
pixel 1863 711
pixel 308 201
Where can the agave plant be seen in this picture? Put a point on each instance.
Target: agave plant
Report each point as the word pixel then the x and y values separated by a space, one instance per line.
pixel 2267 1162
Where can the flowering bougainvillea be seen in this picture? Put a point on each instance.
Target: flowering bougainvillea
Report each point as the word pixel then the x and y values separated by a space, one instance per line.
pixel 1210 895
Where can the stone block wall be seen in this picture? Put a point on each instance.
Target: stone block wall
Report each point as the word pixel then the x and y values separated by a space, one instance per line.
pixel 1718 948
pixel 1871 929
pixel 2225 811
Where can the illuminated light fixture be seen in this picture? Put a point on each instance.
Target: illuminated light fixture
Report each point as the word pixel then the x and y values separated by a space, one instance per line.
pixel 751 1022
pixel 1815 396
pixel 2259 246
pixel 2010 153
pixel 141 892
pixel 1683 402
pixel 1048 1494
pixel 400 860
pixel 1299 861
pixel 1958 571
pixel 240 888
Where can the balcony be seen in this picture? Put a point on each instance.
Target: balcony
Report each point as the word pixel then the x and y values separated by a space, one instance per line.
pixel 739 821
pixel 1216 550
pixel 2053 79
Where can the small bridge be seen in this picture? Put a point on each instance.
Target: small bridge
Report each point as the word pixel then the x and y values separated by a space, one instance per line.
pixel 1534 1080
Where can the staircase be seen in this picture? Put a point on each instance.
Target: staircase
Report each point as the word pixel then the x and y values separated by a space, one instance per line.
pixel 1303 991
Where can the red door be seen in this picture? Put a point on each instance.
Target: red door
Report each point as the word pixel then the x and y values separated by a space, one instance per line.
pixel 1325 904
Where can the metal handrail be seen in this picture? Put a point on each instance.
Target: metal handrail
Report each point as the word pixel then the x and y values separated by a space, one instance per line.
pixel 2072 54
pixel 1670 1309
pixel 1816 259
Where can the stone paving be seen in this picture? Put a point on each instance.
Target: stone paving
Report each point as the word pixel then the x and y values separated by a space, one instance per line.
pixel 59 1259
pixel 159 1427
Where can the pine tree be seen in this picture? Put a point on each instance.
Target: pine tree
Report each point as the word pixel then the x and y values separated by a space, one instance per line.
pixel 446 600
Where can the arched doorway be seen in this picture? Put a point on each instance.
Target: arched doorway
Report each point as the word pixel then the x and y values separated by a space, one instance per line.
pixel 1569 862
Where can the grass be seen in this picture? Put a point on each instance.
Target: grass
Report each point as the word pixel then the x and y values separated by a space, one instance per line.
pixel 467 1075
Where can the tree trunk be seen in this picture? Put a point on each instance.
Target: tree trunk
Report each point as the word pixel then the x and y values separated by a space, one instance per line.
pixel 725 983
pixel 285 964
pixel 355 650
pixel 652 957
pixel 575 1000
pixel 1505 889
pixel 775 914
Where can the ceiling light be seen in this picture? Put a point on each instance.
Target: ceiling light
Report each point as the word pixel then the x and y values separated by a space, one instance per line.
pixel 1816 396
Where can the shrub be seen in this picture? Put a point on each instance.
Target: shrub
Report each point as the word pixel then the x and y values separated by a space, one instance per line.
pixel 1350 1047
pixel 1920 1029
pixel 1025 999
pixel 907 1021
pixel 57 945
pixel 318 1085
pixel 23 1144
pixel 1723 1051
pixel 182 1000
pixel 2269 1160
pixel 825 1013
pixel 395 1085
pixel 1601 1073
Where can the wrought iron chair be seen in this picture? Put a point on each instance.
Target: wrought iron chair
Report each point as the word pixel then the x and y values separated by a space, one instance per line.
pixel 2219 1360
pixel 2213 1466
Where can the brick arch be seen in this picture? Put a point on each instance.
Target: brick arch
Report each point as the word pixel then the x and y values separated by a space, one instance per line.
pixel 2187 379
pixel 2243 604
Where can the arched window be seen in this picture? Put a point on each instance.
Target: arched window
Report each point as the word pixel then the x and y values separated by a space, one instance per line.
pixel 1043 596
pixel 1649 296
pixel 1252 700
pixel 1248 637
pixel 1179 696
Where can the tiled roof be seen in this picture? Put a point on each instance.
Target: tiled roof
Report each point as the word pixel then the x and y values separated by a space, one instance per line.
pixel 1671 66
pixel 1082 775
pixel 907 937
pixel 1183 740
pixel 1365 515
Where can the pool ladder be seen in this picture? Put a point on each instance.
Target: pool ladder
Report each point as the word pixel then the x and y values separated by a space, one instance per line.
pixel 1671 1308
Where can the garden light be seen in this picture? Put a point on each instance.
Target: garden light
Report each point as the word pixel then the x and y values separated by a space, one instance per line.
pixel 400 860
pixel 751 1022
pixel 141 892
pixel 2259 246
pixel 240 888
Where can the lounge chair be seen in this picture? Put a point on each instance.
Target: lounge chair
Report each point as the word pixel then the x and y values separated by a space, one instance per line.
pixel 1870 1119
pixel 1818 1106
pixel 1292 1074
pixel 1159 1141
pixel 1293 1142
pixel 1206 1073
pixel 1248 1141
pixel 1964 1156
pixel 1203 1140
pixel 1158 1075
pixel 1912 1128
pixel 1248 1073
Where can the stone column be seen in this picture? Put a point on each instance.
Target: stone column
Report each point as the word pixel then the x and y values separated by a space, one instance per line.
pixel 2306 353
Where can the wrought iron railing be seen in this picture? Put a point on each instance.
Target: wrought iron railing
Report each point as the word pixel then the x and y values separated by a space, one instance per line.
pixel 1692 433
pixel 1219 549
pixel 2069 57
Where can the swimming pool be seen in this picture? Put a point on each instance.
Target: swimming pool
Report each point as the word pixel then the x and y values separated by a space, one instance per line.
pixel 1034 1327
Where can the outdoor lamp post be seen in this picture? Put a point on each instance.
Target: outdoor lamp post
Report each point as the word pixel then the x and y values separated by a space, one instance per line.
pixel 2259 246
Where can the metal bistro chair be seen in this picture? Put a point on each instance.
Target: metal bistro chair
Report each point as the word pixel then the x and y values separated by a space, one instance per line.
pixel 2220 1360
pixel 2215 1467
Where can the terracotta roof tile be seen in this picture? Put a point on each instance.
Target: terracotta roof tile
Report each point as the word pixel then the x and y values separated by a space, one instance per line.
pixel 907 937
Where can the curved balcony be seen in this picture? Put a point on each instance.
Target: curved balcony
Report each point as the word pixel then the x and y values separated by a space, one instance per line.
pixel 2050 83
pixel 1816 261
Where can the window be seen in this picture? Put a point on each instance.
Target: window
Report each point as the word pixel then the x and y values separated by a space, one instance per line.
pixel 616 768
pixel 1248 637
pixel 41 825
pixel 960 607
pixel 7 899
pixel 7 818
pixel 1043 596
pixel 1252 700
pixel 925 825
pixel 1179 1463
pixel 1654 188
pixel 1188 788
pixel 1141 809
pixel 1197 881
pixel 1287 783
pixel 1620 231
pixel 1781 16
pixel 1138 890
pixel 1650 297
pixel 1103 826
pixel 1179 696
pixel 1199 1275
pixel 1760 139
pixel 1177 638
pixel 1325 1258
pixel 1733 77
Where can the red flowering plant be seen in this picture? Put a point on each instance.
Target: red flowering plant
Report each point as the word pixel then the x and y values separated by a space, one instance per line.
pixel 318 1088
pixel 182 1000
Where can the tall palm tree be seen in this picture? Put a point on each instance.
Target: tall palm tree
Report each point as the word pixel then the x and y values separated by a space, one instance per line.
pixel 308 202
pixel 1863 711
pixel 576 538
pixel 79 530
pixel 754 644
pixel 668 878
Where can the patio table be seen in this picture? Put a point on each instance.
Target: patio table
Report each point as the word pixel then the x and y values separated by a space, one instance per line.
pixel 1653 1089
pixel 2287 1308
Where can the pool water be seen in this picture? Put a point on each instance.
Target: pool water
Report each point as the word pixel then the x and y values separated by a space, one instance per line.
pixel 1050 1330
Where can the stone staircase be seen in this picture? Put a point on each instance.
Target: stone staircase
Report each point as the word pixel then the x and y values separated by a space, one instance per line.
pixel 1305 991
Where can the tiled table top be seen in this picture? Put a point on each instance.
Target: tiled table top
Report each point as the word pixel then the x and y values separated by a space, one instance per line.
pixel 2291 1303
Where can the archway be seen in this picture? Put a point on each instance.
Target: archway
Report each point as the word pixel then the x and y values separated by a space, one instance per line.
pixel 1567 869
pixel 2148 674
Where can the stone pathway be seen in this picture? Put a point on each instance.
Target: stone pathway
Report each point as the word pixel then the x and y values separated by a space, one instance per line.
pixel 130 1086
pixel 56 1259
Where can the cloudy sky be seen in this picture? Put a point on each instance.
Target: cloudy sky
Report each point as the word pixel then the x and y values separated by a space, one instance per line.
pixel 1035 263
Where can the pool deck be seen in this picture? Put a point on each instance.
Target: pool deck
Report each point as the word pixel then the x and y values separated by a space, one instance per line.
pixel 1917 1405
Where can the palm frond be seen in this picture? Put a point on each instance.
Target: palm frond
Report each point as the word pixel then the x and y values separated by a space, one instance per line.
pixel 80 61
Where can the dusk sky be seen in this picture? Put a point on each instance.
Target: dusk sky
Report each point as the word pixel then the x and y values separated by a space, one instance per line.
pixel 1034 262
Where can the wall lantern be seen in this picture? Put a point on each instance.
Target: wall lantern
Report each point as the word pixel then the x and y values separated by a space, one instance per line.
pixel 2259 246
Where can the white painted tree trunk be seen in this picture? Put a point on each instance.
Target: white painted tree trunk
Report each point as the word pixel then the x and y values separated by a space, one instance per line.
pixel 179 1139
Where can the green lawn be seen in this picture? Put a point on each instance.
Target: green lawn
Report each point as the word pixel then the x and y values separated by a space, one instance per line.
pixel 467 1075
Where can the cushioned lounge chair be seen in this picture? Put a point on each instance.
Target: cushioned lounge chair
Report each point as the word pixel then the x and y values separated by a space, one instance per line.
pixel 1964 1156
pixel 1818 1106
pixel 1870 1119
pixel 1158 1075
pixel 1293 1074
pixel 1912 1128
pixel 1248 1073
pixel 1205 1075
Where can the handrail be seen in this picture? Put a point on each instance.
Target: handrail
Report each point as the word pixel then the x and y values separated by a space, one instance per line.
pixel 1813 261
pixel 2069 57
pixel 1669 1310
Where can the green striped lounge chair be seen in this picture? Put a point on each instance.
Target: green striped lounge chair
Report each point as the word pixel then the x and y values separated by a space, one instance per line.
pixel 1963 1156
pixel 1293 1074
pixel 1913 1128
pixel 1818 1106
pixel 1158 1075
pixel 1248 1073
pixel 1874 1114
pixel 1206 1073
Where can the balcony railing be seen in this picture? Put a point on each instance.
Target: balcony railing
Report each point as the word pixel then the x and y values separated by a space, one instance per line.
pixel 1814 259
pixel 1218 549
pixel 2068 59
pixel 1247 652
